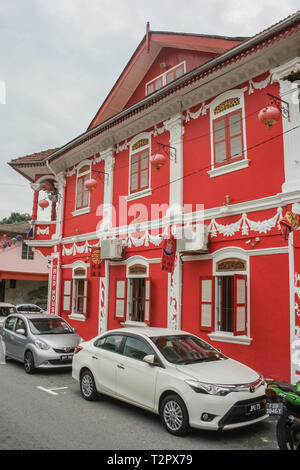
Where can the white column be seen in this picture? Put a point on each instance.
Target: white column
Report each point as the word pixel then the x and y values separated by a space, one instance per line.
pixel 61 183
pixel 175 212
pixel 291 127
pixel 109 159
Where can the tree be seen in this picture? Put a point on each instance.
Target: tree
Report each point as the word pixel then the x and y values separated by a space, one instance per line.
pixel 16 217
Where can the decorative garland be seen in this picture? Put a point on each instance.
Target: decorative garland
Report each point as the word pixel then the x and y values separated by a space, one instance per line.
pixel 244 224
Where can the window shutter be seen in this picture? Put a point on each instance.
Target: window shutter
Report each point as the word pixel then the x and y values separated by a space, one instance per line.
pixel 207 303
pixel 121 290
pixel 67 295
pixel 240 305
pixel 147 301
pixel 85 297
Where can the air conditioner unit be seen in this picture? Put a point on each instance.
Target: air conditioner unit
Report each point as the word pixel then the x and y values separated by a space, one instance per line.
pixel 192 238
pixel 111 248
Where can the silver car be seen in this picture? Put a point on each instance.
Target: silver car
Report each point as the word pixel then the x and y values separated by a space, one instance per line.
pixel 40 341
pixel 5 310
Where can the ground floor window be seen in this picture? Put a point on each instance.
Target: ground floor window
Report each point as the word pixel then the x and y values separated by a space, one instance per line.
pixel 223 303
pixel 133 300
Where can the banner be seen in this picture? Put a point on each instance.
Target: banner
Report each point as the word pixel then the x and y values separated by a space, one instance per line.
pixel 168 254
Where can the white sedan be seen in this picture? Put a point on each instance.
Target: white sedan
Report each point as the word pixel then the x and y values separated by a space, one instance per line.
pixel 172 373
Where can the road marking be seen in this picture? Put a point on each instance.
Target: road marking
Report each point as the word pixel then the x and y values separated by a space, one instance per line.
pixel 52 391
pixel 47 390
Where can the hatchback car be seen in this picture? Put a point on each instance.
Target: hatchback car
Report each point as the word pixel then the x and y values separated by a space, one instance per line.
pixel 172 373
pixel 5 310
pixel 40 341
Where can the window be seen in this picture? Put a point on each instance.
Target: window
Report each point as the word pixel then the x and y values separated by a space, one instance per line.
pixel 110 343
pixel 77 290
pixel 165 78
pixel 223 299
pixel 135 293
pixel 228 135
pixel 139 171
pixel 10 323
pixel 27 252
pixel 20 325
pixel 155 85
pixel 174 73
pixel 136 348
pixel 82 194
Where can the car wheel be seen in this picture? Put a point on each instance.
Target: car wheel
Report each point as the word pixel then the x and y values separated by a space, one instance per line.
pixel 29 362
pixel 87 386
pixel 174 415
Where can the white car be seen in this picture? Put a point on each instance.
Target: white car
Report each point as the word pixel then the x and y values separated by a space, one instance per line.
pixel 29 308
pixel 172 373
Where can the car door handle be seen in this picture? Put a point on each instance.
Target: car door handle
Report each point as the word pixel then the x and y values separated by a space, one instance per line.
pixel 120 366
pixel 94 357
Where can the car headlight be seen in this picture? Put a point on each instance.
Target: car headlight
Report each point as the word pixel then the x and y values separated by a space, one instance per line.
pixel 210 389
pixel 41 344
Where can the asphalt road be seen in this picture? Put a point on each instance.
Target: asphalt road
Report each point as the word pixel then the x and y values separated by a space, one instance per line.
pixel 45 411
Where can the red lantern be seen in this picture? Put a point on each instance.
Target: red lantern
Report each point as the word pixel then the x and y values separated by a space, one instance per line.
pixel 43 203
pixel 90 184
pixel 158 160
pixel 269 116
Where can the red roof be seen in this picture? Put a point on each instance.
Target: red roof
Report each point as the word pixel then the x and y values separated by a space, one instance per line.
pixel 34 157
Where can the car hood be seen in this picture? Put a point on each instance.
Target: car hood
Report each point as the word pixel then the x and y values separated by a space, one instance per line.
pixel 226 372
pixel 60 341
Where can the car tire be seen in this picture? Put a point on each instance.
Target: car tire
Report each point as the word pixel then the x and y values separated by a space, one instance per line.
pixel 88 386
pixel 174 415
pixel 29 362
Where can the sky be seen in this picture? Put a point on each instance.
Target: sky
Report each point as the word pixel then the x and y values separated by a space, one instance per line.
pixel 60 59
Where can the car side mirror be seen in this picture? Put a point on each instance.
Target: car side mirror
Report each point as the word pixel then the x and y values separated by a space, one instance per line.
pixel 21 331
pixel 150 359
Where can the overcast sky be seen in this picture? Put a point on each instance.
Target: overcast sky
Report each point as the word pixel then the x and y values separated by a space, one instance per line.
pixel 60 58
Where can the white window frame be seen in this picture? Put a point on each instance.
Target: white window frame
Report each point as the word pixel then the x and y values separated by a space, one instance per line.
pixel 75 277
pixel 224 336
pixel 144 192
pixel 239 164
pixel 86 209
pixel 164 76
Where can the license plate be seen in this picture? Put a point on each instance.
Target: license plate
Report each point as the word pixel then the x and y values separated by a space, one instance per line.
pixel 254 408
pixel 66 357
pixel 274 409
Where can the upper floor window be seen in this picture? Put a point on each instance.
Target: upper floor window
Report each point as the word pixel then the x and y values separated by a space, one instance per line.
pixel 139 166
pixel 165 78
pixel 82 194
pixel 228 133
pixel 27 252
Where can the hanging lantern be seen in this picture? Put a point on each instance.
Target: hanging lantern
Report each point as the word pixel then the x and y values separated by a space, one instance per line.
pixel 4 236
pixel 90 184
pixel 19 238
pixel 43 203
pixel 269 116
pixel 158 160
pixel 14 240
pixel 289 223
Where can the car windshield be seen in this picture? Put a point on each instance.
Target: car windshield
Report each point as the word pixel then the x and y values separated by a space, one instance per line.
pixel 5 311
pixel 186 349
pixel 49 326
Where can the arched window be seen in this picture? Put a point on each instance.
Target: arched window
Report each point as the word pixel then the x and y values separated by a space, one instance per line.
pixel 139 165
pixel 228 136
pixel 82 195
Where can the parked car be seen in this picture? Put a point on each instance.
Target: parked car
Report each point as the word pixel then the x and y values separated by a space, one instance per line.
pixel 29 308
pixel 172 373
pixel 40 341
pixel 5 310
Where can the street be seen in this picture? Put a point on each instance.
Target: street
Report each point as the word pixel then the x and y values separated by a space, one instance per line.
pixel 45 411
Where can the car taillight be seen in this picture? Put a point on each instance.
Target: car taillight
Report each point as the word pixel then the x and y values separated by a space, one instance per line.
pixel 270 393
pixel 78 349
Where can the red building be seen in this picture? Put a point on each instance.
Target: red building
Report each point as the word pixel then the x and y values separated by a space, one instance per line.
pixel 178 143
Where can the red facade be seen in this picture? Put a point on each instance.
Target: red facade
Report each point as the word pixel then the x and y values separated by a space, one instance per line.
pixel 227 177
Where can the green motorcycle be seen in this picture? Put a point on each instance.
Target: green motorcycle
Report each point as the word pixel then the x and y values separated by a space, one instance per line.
pixel 283 400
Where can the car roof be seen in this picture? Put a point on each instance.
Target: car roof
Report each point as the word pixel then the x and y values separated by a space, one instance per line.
pixel 5 304
pixel 149 331
pixel 35 316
